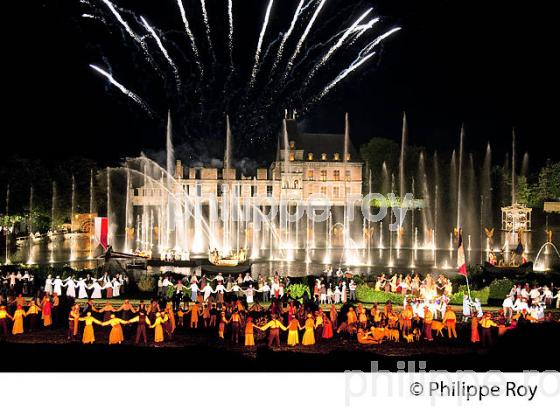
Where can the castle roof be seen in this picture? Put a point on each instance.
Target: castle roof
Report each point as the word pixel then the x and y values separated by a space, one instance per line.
pixel 317 143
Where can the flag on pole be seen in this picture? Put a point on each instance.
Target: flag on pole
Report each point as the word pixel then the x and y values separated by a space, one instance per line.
pixel 101 226
pixel 461 262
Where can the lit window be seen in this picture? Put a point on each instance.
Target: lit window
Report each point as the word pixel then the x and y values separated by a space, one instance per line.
pixel 336 192
pixel 348 157
pixel 324 175
pixel 310 175
pixel 323 190
pixel 324 156
pixel 310 156
pixel 292 144
pixel 337 175
pixel 292 156
pixel 348 175
pixel 336 156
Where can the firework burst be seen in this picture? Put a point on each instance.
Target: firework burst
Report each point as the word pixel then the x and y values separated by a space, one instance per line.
pixel 291 70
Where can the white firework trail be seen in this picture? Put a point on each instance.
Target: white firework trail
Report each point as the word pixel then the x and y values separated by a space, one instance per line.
pixel 354 66
pixel 337 45
pixel 163 50
pixel 131 32
pixel 230 34
pixel 362 58
pixel 302 39
pixel 287 35
pixel 119 18
pixel 191 36
pixel 123 89
pixel 207 26
pixel 378 40
pixel 362 28
pixel 259 44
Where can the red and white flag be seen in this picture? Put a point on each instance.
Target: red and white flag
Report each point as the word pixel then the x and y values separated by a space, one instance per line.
pixel 101 231
pixel 461 262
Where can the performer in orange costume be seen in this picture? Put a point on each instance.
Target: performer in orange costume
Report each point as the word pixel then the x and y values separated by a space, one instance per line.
pixel 406 319
pixel 19 314
pixel 171 316
pixel 333 316
pixel 73 322
pixel 475 338
pixel 46 310
pixel 392 319
pixel 89 335
pixel 158 332
pixel 180 316
pixel 194 310
pixel 428 319
pixel 249 332
pixel 450 319
pixel 327 328
pixel 309 334
pixel 54 308
pixel 222 324
pixel 116 334
pixel 362 316
pixel 206 314
pixel 293 332
pixel 487 324
pixel 351 317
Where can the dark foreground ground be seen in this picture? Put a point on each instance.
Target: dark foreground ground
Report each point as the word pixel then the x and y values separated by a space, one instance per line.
pixel 535 347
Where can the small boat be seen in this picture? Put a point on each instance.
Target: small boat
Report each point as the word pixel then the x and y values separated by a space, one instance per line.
pixel 226 262
pixel 524 268
pixel 234 259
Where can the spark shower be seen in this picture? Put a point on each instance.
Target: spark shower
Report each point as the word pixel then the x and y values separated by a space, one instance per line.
pixel 200 66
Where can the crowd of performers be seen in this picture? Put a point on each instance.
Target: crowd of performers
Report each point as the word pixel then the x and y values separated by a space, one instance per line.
pixel 105 286
pixel 231 309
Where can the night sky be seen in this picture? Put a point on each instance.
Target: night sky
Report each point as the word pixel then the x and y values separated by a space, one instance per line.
pixel 486 63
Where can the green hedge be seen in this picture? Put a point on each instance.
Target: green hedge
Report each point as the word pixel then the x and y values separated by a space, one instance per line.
pixel 457 297
pixel 500 288
pixel 298 290
pixel 366 294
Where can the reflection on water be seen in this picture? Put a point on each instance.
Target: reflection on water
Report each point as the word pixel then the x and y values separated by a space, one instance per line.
pixel 75 251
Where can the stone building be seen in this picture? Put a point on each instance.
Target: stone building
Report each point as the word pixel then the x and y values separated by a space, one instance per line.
pixel 306 165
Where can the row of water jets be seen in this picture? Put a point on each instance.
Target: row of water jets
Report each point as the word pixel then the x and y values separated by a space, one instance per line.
pixel 178 220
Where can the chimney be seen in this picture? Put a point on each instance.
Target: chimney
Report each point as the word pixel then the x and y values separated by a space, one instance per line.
pixel 178 169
